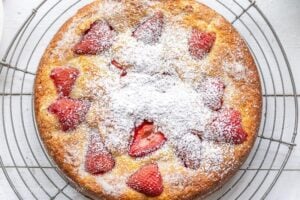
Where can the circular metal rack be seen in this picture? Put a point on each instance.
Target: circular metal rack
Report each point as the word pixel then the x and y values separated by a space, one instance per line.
pixel 30 173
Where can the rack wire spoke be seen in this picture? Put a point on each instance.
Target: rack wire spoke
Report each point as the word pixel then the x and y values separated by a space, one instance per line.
pixel 61 191
pixel 15 68
pixel 23 79
pixel 21 108
pixel 10 182
pixel 284 109
pixel 243 12
pixel 274 120
pixel 278 140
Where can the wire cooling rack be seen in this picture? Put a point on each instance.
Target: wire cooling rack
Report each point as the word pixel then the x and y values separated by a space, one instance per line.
pixel 30 173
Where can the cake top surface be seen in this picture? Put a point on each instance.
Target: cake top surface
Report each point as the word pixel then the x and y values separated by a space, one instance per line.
pixel 148 97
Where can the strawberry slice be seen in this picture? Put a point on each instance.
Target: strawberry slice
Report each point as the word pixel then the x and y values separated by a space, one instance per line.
pixel 213 90
pixel 227 126
pixel 70 112
pixel 150 30
pixel 98 159
pixel 64 78
pixel 146 140
pixel 98 38
pixel 120 67
pixel 200 43
pixel 147 180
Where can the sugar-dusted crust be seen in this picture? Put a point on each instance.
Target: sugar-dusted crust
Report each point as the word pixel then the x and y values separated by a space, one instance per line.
pixel 68 149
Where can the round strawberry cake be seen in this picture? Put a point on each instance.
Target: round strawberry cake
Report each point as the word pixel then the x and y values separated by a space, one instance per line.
pixel 147 99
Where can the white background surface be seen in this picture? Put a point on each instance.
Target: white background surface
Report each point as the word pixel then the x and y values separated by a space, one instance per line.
pixel 284 15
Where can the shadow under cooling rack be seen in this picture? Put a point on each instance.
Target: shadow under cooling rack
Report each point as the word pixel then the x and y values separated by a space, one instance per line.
pixel 29 172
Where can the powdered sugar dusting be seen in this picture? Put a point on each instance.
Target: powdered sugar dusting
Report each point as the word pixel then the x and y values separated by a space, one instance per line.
pixel 95 144
pixel 189 150
pixel 236 70
pixel 72 154
pixel 161 86
pixel 109 8
pixel 156 98
pixel 213 154
pixel 113 186
pixel 176 179
pixel 150 30
pixel 167 56
pixel 71 36
pixel 108 182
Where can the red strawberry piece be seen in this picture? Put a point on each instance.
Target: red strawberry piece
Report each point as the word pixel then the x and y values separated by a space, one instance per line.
pixel 64 78
pixel 98 159
pixel 146 140
pixel 227 126
pixel 200 43
pixel 213 91
pixel 147 180
pixel 150 30
pixel 97 38
pixel 120 67
pixel 99 163
pixel 70 112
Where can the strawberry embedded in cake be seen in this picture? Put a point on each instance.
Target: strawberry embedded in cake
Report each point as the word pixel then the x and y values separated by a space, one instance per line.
pixel 64 79
pixel 189 151
pixel 150 30
pixel 213 91
pixel 169 99
pixel 98 160
pixel 120 67
pixel 147 180
pixel 70 112
pixel 146 139
pixel 201 43
pixel 96 39
pixel 227 126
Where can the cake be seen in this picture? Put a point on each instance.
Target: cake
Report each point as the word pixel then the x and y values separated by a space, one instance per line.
pixel 147 99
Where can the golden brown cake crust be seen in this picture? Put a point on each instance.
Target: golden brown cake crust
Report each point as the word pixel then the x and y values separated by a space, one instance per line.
pixel 229 48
